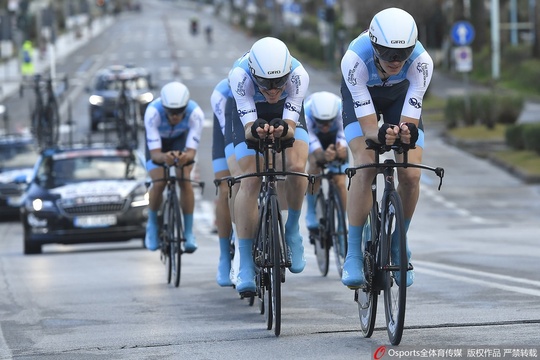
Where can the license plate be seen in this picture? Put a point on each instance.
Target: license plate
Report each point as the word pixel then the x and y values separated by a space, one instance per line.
pixel 14 200
pixel 95 221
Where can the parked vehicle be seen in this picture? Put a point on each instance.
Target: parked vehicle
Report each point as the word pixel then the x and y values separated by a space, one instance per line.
pixel 85 195
pixel 18 155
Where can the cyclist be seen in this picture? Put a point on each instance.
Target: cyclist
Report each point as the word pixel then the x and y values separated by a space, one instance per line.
pixel 173 125
pixel 326 145
pixel 218 100
pixel 268 86
pixel 385 71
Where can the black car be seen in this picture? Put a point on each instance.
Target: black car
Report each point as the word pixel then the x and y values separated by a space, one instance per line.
pixel 85 195
pixel 106 87
pixel 18 155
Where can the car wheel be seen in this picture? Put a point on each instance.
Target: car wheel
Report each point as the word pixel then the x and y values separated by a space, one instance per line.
pixel 30 247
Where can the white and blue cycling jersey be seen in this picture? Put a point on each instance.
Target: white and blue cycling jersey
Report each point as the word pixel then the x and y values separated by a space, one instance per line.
pixel 222 148
pixel 158 127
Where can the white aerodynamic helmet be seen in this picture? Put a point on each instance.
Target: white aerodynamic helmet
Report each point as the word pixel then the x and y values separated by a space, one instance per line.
pixel 393 34
pixel 270 63
pixel 174 97
pixel 325 106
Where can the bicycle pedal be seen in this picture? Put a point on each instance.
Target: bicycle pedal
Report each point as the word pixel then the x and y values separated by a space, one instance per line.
pixel 356 287
pixel 247 294
pixel 410 267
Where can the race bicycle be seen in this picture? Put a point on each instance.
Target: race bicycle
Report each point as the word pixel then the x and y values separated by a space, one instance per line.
pixel 126 124
pixel 385 220
pixel 332 230
pixel 45 114
pixel 270 251
pixel 171 231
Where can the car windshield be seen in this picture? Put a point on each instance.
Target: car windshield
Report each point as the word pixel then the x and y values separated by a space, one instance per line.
pixel 61 170
pixel 138 83
pixel 17 156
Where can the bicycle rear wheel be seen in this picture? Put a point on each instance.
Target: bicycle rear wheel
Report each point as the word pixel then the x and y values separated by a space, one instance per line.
pixel 368 296
pixel 338 230
pixel 176 236
pixel 395 276
pixel 267 299
pixel 322 251
pixel 276 237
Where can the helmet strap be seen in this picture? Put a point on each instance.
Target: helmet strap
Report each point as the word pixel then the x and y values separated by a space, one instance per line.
pixel 378 65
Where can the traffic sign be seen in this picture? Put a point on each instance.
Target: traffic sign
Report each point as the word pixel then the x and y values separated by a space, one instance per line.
pixel 463 58
pixel 462 33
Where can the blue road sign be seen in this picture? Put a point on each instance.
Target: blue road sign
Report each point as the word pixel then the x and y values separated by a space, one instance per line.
pixel 462 33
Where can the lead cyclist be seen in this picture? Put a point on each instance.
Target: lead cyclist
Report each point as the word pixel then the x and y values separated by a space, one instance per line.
pixel 385 71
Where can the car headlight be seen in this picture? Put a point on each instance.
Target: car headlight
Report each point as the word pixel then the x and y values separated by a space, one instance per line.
pixel 145 98
pixel 39 205
pixel 140 200
pixel 96 100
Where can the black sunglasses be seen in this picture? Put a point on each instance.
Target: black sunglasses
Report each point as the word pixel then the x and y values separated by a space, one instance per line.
pixel 269 84
pixel 391 54
pixel 175 111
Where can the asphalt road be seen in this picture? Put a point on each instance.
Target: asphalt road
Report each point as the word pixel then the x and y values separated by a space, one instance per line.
pixel 474 243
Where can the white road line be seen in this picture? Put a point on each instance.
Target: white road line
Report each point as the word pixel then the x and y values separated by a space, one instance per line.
pixel 5 352
pixel 448 272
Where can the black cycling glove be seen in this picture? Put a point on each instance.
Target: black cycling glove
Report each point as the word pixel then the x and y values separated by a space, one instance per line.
pixel 259 123
pixel 414 135
pixel 277 122
pixel 382 133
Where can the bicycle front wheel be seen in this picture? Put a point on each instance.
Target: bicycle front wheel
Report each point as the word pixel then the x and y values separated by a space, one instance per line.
pixel 276 240
pixel 176 235
pixel 395 275
pixel 322 251
pixel 338 229
pixel 367 297
pixel 165 239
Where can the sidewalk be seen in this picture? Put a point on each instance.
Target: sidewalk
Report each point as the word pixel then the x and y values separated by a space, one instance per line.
pixel 66 44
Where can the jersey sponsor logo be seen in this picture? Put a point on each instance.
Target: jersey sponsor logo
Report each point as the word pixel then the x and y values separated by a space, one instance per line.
pixel 415 103
pixel 424 70
pixel 243 113
pixel 240 89
pixel 297 82
pixel 358 104
pixel 350 75
pixel 291 107
pixel 217 108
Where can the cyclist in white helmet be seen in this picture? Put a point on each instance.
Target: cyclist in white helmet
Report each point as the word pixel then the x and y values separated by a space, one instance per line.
pixel 268 86
pixel 327 145
pixel 173 124
pixel 386 71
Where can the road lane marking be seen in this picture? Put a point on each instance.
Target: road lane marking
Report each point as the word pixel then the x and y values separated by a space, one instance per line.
pixel 445 269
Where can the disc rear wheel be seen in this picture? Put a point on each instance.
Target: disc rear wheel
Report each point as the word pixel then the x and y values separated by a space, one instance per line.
pixel 322 251
pixel 395 281
pixel 368 296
